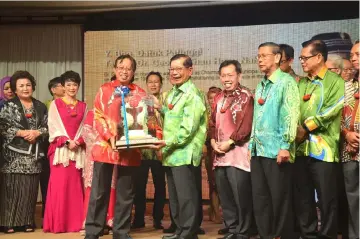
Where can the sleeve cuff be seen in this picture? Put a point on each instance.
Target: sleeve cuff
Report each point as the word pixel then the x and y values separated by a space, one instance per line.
pixel 107 136
pixel 285 145
pixel 310 125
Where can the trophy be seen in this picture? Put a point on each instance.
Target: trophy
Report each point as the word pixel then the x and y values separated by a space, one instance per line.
pixel 138 126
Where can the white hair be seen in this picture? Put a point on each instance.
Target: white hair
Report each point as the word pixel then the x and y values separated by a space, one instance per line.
pixel 337 60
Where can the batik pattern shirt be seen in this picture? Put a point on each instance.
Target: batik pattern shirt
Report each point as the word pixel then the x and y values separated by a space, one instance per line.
pixel 232 119
pixel 275 122
pixel 350 119
pixel 321 115
pixel 107 119
pixel 184 126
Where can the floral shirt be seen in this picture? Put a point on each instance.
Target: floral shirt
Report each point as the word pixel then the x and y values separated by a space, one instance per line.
pixel 321 115
pixel 275 122
pixel 107 119
pixel 232 119
pixel 185 123
pixel 350 119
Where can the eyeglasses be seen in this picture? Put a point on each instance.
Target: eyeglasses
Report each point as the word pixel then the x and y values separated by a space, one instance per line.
pixel 177 69
pixel 120 68
pixel 348 70
pixel 333 69
pixel 283 61
pixel 305 58
pixel 264 56
pixel 354 54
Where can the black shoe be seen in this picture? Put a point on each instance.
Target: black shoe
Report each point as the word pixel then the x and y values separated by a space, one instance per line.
pixel 158 226
pixel 223 231
pixel 124 236
pixel 91 237
pixel 173 236
pixel 229 236
pixel 137 225
pixel 200 231
pixel 171 229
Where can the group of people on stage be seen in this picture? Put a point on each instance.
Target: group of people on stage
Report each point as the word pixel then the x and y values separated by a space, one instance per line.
pixel 267 152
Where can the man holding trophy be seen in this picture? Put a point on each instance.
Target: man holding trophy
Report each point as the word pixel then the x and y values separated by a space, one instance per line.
pixel 118 108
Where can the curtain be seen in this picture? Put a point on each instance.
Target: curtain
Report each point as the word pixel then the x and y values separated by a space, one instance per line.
pixel 46 51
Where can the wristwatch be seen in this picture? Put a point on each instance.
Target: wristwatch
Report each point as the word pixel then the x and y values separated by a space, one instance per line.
pixel 67 142
pixel 232 144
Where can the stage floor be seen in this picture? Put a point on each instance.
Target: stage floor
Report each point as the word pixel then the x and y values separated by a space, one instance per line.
pixel 146 233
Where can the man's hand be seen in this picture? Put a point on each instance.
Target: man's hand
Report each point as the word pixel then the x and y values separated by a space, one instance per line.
pixel 215 147
pixel 224 146
pixel 283 156
pixel 301 135
pixel 160 144
pixel 157 104
pixel 353 139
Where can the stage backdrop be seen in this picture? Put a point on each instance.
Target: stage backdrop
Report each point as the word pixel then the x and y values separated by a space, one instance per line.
pixel 207 47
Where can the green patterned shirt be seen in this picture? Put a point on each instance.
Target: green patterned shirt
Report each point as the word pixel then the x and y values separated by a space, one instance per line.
pixel 184 126
pixel 275 122
pixel 321 115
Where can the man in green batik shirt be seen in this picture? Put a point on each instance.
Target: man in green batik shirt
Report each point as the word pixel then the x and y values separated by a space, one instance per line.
pixel 322 100
pixel 184 133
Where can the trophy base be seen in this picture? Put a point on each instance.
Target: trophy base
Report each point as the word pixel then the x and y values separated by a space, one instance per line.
pixel 136 143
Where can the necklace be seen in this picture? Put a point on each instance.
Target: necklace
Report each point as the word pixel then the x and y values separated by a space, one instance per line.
pixel 307 97
pixel 27 111
pixel 261 100
pixel 171 105
pixel 71 107
pixel 222 109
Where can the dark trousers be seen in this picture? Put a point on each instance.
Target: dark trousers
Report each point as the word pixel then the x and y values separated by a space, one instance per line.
pixel 184 199
pixel 351 176
pixel 158 174
pixel 99 200
pixel 198 176
pixel 271 190
pixel 310 174
pixel 44 182
pixel 234 188
pixel 343 211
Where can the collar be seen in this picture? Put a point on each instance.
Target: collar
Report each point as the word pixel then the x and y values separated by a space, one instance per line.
pixel 273 77
pixel 184 87
pixel 320 75
pixel 116 83
pixel 232 92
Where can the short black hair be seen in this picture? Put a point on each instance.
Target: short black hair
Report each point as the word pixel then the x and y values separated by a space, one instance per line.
pixel 70 76
pixel 187 63
pixel 318 47
pixel 235 63
pixel 133 63
pixel 53 83
pixel 288 51
pixel 155 73
pixel 21 75
pixel 356 42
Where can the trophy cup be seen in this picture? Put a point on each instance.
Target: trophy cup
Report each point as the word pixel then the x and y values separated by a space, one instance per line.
pixel 139 126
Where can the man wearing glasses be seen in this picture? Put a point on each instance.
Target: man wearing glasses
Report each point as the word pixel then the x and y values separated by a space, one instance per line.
pixel 335 63
pixel 322 99
pixel 185 124
pixel 287 58
pixel 272 144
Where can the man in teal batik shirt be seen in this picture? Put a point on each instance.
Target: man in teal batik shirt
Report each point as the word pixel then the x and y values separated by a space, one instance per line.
pixel 185 125
pixel 272 144
pixel 322 100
